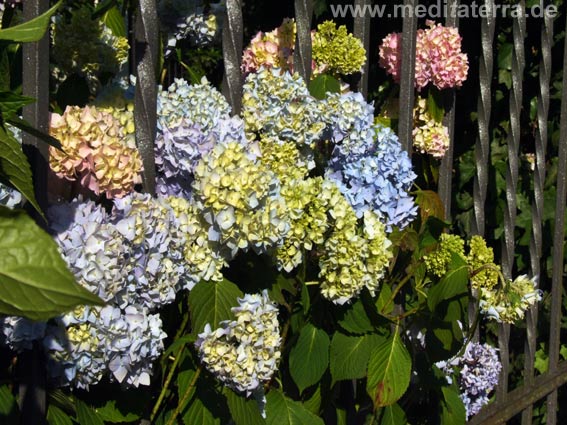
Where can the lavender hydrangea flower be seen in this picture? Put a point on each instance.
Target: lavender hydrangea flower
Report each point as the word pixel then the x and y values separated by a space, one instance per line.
pixel 479 369
pixel 378 179
pixel 9 197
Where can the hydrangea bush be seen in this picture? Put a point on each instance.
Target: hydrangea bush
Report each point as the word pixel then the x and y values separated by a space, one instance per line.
pixel 286 253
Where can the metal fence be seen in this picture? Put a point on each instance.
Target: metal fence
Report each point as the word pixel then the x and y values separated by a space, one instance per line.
pixel 508 403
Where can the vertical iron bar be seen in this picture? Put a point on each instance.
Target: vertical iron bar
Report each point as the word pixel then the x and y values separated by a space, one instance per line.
pixel 232 40
pixel 558 242
pixel 538 202
pixel 407 85
pixel 362 32
pixel 446 169
pixel 35 83
pixel 145 100
pixel 302 54
pixel 513 141
pixel 484 107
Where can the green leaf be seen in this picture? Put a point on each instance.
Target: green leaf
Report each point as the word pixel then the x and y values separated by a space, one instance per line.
pixel 435 105
pixel 454 282
pixel 56 416
pixel 313 404
pixel 11 102
pixel 355 319
pixel 383 298
pixel 281 285
pixel 34 279
pixel 350 355
pixel 210 302
pixel 323 84
pixel 86 414
pixel 14 166
pixel 281 410
pixel 115 22
pixel 110 413
pixel 207 408
pixel 309 358
pixel 389 371
pixel 244 411
pixel 452 408
pixel 9 412
pixel 31 30
pixel 28 128
pixel 393 415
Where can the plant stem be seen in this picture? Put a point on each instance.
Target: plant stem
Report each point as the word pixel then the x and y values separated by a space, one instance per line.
pixel 185 397
pixel 155 410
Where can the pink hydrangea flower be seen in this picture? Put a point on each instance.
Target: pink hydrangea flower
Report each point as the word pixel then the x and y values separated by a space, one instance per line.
pixel 439 59
pixel 95 152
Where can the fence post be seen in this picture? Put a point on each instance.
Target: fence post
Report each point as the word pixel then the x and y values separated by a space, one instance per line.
pixel 407 85
pixel 302 54
pixel 145 100
pixel 35 83
pixel 232 41
pixel 362 32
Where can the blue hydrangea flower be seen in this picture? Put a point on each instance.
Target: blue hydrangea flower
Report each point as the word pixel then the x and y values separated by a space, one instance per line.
pixel 19 333
pixel 378 179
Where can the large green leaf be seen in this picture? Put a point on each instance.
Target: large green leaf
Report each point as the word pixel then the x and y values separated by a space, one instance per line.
pixel 309 358
pixel 207 407
pixel 86 415
pixel 452 408
pixel 323 84
pixel 28 128
pixel 393 415
pixel 14 166
pixel 350 355
pixel 355 319
pixel 9 412
pixel 389 371
pixel 11 102
pixel 452 284
pixel 114 20
pixel 56 416
pixel 210 302
pixel 34 279
pixel 111 413
pixel 281 410
pixel 244 411
pixel 31 30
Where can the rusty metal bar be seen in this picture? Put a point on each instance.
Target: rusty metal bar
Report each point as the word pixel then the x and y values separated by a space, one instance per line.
pixel 145 101
pixel 558 242
pixel 407 85
pixel 232 41
pixel 362 32
pixel 302 53
pixel 536 242
pixel 522 397
pixel 446 168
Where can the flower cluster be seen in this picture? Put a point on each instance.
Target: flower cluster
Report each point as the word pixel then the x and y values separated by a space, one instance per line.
pixel 96 152
pixel 240 200
pixel 351 261
pixel 19 333
pixel 429 136
pixel 509 303
pixel 244 353
pixel 481 260
pixel 437 262
pixel 377 180
pixel 198 29
pixel 479 369
pixel 280 106
pixel 439 59
pixel 88 342
pixel 85 46
pixel 334 50
pixel 273 49
pixel 337 51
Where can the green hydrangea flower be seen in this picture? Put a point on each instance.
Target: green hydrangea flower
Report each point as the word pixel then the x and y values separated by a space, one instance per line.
pixel 481 256
pixel 438 261
pixel 337 50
